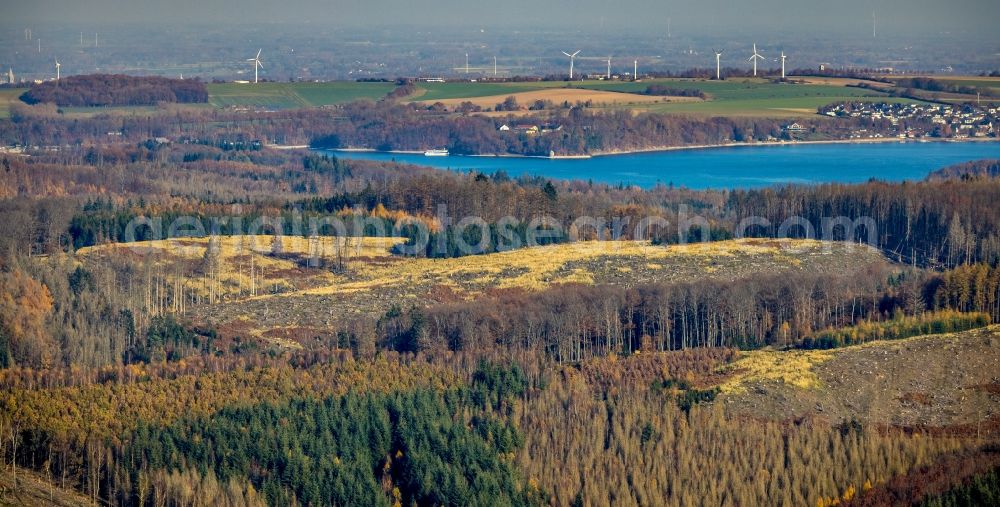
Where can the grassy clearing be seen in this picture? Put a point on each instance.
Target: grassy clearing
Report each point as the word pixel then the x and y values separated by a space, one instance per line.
pixel 929 380
pixel 294 95
pixel 583 262
pixel 792 367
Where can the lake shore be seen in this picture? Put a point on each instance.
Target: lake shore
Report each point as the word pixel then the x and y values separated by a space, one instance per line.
pixel 657 149
pixel 789 143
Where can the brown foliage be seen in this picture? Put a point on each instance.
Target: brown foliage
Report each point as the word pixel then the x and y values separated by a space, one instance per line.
pixel 24 306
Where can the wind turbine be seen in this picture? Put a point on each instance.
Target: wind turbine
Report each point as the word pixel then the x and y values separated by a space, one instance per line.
pixel 609 66
pixel 783 64
pixel 571 58
pixel 494 66
pixel 718 64
pixel 754 57
pixel 58 65
pixel 256 64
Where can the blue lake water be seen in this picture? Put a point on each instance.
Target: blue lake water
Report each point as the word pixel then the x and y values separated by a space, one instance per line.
pixel 728 167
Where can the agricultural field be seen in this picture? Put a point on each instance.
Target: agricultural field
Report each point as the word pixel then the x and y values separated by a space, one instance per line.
pixel 287 300
pixel 457 90
pixel 598 98
pixel 735 98
pixel 293 95
pixel 743 97
pixel 748 97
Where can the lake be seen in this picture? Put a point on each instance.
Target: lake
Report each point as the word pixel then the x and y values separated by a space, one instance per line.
pixel 728 167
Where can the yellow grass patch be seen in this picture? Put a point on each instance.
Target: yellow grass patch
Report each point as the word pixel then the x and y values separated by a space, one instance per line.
pixel 571 95
pixel 793 367
pixel 369 265
pixel 538 267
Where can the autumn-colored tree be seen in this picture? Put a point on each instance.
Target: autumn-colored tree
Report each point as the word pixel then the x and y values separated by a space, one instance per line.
pixel 24 305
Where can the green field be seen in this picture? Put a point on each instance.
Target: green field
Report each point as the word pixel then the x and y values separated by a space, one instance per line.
pixel 7 96
pixel 294 95
pixel 743 97
pixel 265 95
pixel 444 91
pixel 992 84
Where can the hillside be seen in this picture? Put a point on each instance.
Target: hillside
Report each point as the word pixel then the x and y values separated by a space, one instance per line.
pixel 290 299
pixel 33 489
pixel 932 381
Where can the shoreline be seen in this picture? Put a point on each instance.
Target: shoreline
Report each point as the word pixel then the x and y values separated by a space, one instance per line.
pixel 880 140
pixel 657 149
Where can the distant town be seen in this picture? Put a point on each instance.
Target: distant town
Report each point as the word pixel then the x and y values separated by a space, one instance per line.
pixel 915 121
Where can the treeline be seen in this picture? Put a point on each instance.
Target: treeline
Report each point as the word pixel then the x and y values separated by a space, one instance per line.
pixel 967 170
pixel 574 323
pixel 928 223
pixel 657 89
pixel 387 127
pixel 895 329
pixel 94 90
pixel 935 85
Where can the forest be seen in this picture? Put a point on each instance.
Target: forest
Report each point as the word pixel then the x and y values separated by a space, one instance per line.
pixel 98 90
pixel 625 386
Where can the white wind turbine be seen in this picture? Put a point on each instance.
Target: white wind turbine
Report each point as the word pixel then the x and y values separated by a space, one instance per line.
pixel 718 64
pixel 256 64
pixel 609 66
pixel 783 64
pixel 754 57
pixel 58 66
pixel 571 58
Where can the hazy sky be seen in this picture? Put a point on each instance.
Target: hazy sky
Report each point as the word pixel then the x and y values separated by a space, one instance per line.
pixel 844 16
